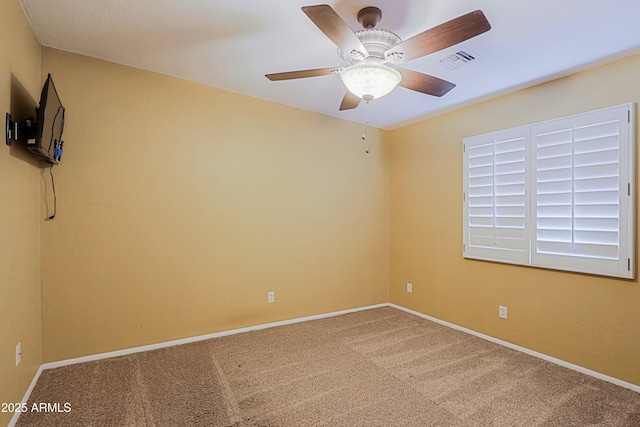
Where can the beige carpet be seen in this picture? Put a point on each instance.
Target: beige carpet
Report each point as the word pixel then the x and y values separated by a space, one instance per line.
pixel 380 367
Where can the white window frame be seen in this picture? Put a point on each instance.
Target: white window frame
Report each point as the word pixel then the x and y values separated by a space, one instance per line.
pixel 607 240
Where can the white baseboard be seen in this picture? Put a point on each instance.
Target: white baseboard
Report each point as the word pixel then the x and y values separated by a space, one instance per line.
pixel 123 352
pixel 25 399
pixel 551 359
pixel 140 349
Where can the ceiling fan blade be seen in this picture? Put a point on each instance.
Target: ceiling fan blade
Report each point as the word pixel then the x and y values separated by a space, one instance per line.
pixel 334 27
pixel 437 38
pixel 424 83
pixel 349 102
pixel 290 75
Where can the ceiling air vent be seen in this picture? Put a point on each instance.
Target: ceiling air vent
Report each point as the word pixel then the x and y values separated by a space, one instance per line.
pixel 458 59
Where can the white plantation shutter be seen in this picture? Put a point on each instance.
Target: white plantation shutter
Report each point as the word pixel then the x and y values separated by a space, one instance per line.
pixel 555 194
pixel 581 192
pixel 495 178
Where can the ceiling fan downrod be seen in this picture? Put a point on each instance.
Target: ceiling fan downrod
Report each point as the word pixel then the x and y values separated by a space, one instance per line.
pixel 369 17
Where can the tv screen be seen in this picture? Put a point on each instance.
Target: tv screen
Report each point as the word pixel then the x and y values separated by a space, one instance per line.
pixel 46 141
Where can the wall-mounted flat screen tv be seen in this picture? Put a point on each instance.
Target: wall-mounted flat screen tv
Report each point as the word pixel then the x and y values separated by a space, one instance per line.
pixel 46 140
pixel 42 135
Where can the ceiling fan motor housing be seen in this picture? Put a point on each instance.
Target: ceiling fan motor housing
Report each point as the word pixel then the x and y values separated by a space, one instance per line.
pixel 376 41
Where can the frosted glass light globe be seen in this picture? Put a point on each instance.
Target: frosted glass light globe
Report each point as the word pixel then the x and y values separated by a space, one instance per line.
pixel 370 80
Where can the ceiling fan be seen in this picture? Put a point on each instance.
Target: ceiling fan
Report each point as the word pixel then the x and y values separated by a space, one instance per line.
pixel 369 50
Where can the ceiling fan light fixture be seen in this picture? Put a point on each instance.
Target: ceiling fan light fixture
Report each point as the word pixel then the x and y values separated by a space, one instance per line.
pixel 369 80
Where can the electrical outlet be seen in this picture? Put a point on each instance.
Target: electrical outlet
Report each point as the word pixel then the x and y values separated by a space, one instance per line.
pixel 18 353
pixel 502 312
pixel 409 287
pixel 271 297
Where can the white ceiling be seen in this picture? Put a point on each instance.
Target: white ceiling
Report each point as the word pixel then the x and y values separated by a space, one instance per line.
pixel 232 44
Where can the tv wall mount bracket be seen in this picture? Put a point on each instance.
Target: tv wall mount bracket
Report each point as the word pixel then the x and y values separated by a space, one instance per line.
pixel 11 130
pixel 22 130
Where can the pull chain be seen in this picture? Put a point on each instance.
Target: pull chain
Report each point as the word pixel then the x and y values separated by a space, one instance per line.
pixel 365 126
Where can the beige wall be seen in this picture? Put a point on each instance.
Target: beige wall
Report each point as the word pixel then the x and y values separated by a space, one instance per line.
pixel 587 320
pixel 20 214
pixel 180 206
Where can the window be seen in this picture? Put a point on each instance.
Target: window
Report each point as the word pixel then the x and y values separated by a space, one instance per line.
pixel 556 194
